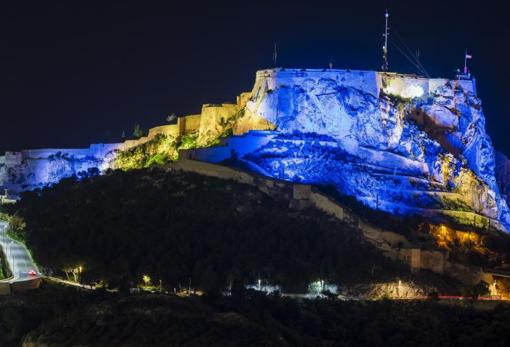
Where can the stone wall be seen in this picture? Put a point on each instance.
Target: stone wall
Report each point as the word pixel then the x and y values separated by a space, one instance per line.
pixel 35 168
pixel 7 287
pixel 188 124
pixel 23 286
pixel 392 245
pixel 212 120
pixel 409 86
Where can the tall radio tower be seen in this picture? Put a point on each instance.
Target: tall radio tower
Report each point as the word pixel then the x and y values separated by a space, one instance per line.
pixel 385 47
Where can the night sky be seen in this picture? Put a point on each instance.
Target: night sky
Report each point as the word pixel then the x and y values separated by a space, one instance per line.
pixel 78 72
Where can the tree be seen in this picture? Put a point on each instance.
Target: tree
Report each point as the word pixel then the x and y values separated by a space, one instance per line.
pixel 482 288
pixel 138 131
pixel 119 227
pixel 171 117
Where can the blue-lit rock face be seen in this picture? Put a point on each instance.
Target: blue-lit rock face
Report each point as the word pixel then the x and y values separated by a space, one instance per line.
pixel 398 143
pixel 33 169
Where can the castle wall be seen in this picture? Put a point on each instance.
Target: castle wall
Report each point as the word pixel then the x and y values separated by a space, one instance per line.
pixel 409 86
pixel 404 85
pixel 276 78
pixel 33 168
pixel 243 99
pixel 12 158
pixel 189 124
pixel 392 245
pixel 212 118
pixel 168 130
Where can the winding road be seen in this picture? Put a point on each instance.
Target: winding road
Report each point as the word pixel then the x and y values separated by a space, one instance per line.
pixel 18 257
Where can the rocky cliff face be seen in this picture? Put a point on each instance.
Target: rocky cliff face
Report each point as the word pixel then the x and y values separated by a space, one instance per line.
pixel 503 175
pixel 31 169
pixel 398 143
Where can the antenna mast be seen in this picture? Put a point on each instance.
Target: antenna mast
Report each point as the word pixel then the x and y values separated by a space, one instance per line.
pixel 385 47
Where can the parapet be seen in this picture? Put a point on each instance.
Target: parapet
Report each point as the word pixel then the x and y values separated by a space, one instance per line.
pixel 13 158
pixel 404 85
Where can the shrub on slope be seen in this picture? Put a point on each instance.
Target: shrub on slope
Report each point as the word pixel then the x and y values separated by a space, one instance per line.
pixel 181 226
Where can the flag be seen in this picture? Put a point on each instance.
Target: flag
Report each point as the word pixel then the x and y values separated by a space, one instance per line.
pixel 468 56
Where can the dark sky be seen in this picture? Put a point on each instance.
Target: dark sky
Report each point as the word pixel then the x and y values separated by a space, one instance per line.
pixel 77 72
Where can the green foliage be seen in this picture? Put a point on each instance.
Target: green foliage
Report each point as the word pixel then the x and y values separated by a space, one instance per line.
pixel 228 124
pixel 481 289
pixel 159 150
pixel 181 225
pixel 227 128
pixel 433 295
pixel 5 271
pixel 187 141
pixel 16 229
pixel 454 205
pixel 164 148
pixel 398 100
pixel 474 292
pixel 158 159
pixel 138 131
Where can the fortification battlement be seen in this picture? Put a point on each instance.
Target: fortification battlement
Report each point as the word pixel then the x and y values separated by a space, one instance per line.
pixel 404 85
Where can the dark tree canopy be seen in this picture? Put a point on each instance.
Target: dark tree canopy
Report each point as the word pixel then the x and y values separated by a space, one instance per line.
pixel 180 226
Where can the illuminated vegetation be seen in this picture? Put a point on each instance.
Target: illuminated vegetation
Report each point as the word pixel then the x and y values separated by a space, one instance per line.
pixel 156 151
pixel 503 287
pixel 16 227
pixel 163 148
pixel 450 239
pixel 474 247
pixel 187 141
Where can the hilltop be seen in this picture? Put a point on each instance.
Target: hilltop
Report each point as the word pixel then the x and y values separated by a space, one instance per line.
pixel 404 144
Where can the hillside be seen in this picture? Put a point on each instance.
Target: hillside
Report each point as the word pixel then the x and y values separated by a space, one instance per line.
pixel 56 316
pixel 183 227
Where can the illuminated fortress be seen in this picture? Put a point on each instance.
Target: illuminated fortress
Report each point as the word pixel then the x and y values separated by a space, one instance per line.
pixel 400 143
